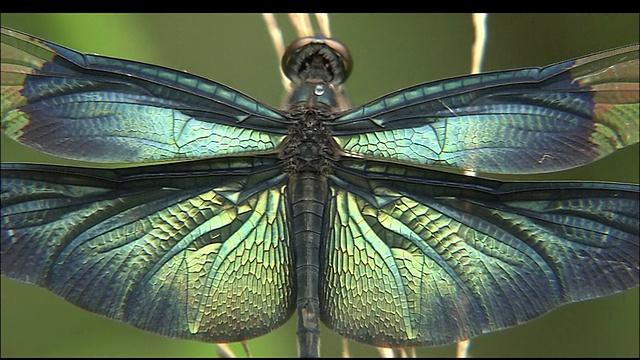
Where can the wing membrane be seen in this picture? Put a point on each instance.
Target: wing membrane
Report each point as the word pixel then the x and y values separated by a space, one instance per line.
pixel 529 120
pixel 101 109
pixel 415 262
pixel 184 251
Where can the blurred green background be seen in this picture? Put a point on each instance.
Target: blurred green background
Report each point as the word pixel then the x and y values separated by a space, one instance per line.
pixel 390 52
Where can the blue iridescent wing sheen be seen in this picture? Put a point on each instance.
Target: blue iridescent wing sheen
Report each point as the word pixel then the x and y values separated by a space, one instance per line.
pixel 416 257
pixel 530 120
pixel 101 109
pixel 183 250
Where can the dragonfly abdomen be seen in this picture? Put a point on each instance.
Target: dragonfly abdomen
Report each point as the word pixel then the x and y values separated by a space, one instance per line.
pixel 308 194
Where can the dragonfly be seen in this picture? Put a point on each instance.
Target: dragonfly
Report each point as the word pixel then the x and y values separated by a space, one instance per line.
pixel 474 182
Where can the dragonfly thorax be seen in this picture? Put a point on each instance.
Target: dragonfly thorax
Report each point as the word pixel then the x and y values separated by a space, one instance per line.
pixel 309 146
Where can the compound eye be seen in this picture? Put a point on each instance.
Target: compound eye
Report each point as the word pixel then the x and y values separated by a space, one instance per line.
pixel 343 53
pixel 300 54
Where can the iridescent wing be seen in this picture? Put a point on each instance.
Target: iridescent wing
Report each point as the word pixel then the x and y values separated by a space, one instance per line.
pixel 529 120
pixel 101 109
pixel 183 250
pixel 416 257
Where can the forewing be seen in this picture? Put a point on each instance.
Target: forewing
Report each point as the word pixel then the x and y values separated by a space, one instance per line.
pixel 101 109
pixel 415 258
pixel 531 120
pixel 196 250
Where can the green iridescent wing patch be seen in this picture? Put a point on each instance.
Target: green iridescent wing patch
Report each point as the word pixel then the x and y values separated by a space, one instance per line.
pixel 183 251
pixel 426 259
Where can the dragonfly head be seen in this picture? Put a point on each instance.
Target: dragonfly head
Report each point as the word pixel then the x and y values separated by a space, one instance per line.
pixel 317 59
